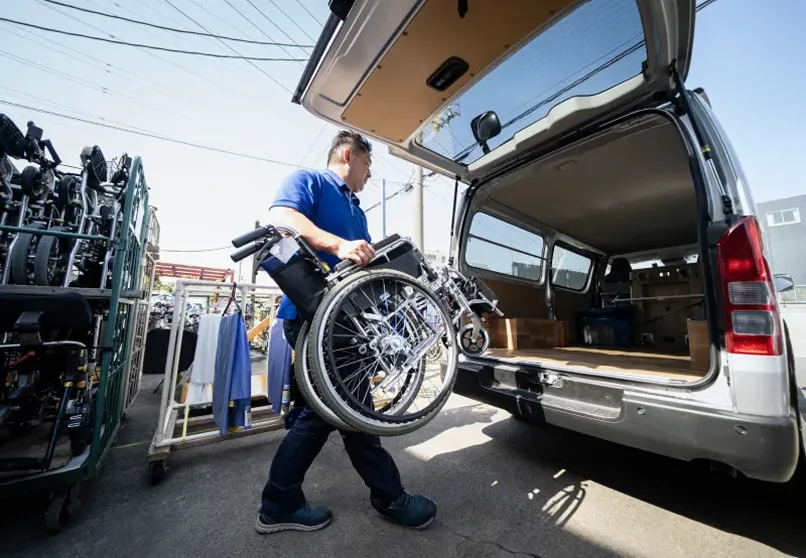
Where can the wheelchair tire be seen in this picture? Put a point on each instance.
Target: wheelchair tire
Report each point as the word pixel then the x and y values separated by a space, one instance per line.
pixel 305 382
pixel 473 347
pixel 45 249
pixel 18 259
pixel 332 388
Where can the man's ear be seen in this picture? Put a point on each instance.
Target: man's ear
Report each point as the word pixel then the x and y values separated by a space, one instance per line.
pixel 346 155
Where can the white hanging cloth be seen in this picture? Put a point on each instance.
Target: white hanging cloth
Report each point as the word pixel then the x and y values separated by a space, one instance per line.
pixel 203 371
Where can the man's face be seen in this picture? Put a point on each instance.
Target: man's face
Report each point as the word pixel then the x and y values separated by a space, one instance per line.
pixel 359 169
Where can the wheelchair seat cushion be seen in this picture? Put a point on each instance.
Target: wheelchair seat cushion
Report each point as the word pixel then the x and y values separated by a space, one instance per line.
pixel 59 311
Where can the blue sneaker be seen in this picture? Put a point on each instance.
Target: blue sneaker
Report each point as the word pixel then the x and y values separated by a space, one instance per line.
pixel 306 519
pixel 410 510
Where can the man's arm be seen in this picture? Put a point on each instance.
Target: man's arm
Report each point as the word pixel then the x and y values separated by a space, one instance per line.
pixel 359 251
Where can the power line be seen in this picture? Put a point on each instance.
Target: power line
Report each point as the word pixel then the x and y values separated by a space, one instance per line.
pixel 153 135
pixel 102 64
pixel 310 14
pixel 258 68
pixel 153 47
pixel 158 57
pixel 229 247
pixel 291 20
pixel 172 29
pixel 253 24
pixel 149 134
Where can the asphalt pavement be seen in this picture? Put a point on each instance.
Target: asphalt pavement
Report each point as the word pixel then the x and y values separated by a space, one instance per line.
pixel 503 488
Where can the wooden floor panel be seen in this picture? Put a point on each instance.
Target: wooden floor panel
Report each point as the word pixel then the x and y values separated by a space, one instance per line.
pixel 623 361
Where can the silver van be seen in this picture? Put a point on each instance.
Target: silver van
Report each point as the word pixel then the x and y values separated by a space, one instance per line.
pixel 599 198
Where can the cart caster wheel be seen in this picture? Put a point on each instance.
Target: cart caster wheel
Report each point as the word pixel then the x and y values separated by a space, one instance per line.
pixel 156 470
pixel 58 513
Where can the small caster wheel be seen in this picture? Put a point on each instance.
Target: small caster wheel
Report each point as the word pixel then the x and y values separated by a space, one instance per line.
pixel 58 513
pixel 156 470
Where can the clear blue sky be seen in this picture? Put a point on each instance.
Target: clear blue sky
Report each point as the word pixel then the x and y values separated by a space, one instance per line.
pixel 747 60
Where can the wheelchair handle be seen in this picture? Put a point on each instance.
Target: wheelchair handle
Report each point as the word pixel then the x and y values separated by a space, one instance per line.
pixel 246 251
pixel 380 245
pixel 250 236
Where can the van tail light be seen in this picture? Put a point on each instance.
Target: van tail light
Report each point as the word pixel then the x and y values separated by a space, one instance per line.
pixel 751 309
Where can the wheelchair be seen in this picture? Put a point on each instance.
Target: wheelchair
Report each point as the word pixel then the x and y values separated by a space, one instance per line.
pixel 42 197
pixel 369 334
pixel 47 379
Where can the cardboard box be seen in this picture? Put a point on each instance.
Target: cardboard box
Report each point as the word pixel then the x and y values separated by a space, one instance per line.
pixel 699 345
pixel 528 333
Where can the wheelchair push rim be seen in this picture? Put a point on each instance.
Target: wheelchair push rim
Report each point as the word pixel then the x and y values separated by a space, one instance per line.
pixel 372 325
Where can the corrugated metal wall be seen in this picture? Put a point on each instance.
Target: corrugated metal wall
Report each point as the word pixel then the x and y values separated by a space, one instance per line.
pixel 785 240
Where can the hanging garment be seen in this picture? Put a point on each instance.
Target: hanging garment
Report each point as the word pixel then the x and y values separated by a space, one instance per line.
pixel 233 374
pixel 204 359
pixel 279 365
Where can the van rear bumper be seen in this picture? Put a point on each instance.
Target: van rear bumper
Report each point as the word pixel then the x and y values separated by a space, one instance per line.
pixel 762 448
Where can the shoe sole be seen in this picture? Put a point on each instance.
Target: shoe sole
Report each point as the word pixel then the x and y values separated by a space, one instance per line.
pixel 416 528
pixel 264 529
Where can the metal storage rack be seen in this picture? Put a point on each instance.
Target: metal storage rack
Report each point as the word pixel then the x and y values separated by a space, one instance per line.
pixel 115 310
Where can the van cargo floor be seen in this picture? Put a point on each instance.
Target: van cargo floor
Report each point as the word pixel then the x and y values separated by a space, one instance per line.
pixel 621 361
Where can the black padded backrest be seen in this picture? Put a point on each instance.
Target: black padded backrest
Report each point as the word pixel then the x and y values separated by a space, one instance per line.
pixel 60 311
pixel 620 270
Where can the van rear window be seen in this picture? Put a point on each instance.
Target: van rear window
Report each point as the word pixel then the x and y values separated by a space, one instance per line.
pixel 500 247
pixel 592 49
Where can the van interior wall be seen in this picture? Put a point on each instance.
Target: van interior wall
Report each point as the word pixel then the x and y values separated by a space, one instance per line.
pixel 628 190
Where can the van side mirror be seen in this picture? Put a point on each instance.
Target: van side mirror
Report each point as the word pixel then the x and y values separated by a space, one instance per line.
pixel 783 283
pixel 485 127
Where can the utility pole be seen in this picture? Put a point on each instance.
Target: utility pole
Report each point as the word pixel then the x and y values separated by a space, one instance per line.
pixel 255 263
pixel 418 208
pixel 383 208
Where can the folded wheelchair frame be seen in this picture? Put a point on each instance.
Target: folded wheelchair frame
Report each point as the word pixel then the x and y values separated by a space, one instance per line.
pixel 363 363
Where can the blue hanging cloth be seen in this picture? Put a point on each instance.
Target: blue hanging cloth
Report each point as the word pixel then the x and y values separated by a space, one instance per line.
pixel 232 390
pixel 279 365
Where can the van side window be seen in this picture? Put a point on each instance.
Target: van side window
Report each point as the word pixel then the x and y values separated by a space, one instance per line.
pixel 500 247
pixel 569 269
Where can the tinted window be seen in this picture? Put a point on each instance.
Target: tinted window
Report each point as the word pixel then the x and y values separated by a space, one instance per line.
pixel 501 247
pixel 569 269
pixel 595 47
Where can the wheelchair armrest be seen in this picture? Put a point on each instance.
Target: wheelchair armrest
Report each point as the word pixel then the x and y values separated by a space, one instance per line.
pixel 380 245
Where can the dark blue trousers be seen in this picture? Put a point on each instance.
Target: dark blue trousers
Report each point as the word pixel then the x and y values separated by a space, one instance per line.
pixel 283 491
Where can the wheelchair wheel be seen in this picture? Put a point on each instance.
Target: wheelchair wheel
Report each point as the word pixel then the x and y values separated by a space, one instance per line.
pixel 471 346
pixel 302 371
pixel 50 259
pixel 369 340
pixel 21 254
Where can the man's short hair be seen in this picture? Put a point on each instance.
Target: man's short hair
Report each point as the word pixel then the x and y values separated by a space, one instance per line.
pixel 355 141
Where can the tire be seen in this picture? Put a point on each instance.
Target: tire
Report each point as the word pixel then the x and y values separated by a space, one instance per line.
pixel 44 250
pixel 306 385
pixel 470 347
pixel 18 259
pixel 337 398
pixel 156 471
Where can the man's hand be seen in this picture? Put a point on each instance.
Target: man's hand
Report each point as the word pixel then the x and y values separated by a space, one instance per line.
pixel 359 251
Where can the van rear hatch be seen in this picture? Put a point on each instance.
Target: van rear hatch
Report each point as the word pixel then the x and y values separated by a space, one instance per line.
pixel 418 74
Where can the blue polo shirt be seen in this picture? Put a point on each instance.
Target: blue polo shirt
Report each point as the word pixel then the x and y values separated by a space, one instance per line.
pixel 326 200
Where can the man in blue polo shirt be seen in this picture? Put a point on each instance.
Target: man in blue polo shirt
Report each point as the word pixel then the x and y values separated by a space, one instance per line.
pixel 324 208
